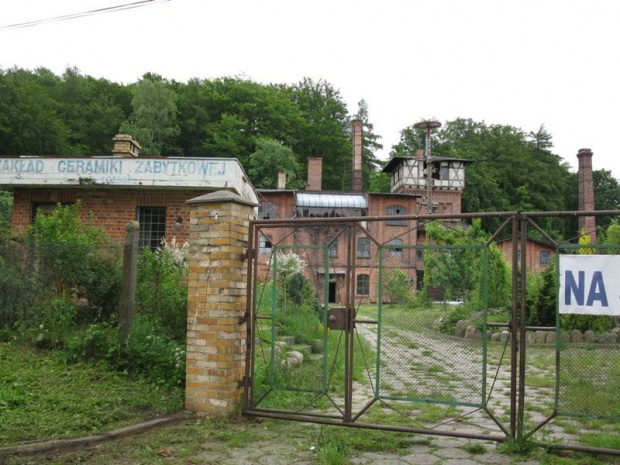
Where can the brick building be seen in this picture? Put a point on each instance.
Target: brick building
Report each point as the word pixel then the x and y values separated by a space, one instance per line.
pixel 408 196
pixel 120 188
pixel 539 254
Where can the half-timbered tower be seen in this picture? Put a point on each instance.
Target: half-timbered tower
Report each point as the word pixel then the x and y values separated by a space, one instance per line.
pixel 409 175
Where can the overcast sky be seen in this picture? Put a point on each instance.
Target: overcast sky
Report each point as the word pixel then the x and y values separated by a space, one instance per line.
pixel 522 63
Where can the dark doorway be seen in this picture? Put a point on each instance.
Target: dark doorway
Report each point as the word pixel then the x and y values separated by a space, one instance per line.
pixel 332 292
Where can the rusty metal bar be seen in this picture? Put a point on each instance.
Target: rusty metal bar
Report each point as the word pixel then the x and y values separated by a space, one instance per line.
pixel 551 240
pixel 540 425
pixel 307 418
pixel 522 322
pixel 349 339
pixel 513 330
pixel 499 231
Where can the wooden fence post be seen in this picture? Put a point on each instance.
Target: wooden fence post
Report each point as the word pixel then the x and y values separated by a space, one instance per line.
pixel 128 285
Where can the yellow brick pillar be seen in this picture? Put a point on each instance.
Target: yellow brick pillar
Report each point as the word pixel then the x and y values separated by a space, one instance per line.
pixel 216 335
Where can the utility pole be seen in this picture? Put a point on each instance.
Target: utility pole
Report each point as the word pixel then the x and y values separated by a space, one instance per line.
pixel 427 126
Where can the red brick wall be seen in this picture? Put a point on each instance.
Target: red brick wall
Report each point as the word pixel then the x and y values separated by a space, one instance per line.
pixel 111 208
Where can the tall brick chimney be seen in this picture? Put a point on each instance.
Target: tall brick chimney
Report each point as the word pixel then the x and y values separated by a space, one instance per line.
pixel 125 146
pixel 357 155
pixel 586 193
pixel 315 174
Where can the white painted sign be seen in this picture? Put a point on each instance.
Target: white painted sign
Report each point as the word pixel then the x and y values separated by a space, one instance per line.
pixel 208 173
pixel 590 284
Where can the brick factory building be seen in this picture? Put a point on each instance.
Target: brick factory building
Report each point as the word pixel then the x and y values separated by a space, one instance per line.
pixel 407 197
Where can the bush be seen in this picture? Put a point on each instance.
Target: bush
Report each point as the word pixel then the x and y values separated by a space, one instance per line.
pixel 74 258
pixel 541 298
pixel 146 353
pixel 6 211
pixel 158 358
pixel 57 318
pixel 19 290
pixel 398 288
pixel 161 293
pixel 459 312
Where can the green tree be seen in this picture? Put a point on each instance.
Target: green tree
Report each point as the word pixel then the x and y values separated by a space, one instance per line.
pixel 32 125
pixel 270 158
pixel 324 131
pixel 606 195
pixel 154 117
pixel 458 270
pixel 237 112
pixel 511 170
pixel 612 234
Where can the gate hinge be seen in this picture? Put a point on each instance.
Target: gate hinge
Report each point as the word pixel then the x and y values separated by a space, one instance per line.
pixel 241 382
pixel 243 318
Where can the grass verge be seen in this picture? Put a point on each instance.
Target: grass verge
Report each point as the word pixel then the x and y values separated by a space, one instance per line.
pixel 41 397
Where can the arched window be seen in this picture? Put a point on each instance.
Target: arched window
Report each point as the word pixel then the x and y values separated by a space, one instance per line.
pixel 267 210
pixel 264 245
pixel 363 247
pixel 396 210
pixel 363 284
pixel 332 244
pixel 397 249
pixel 544 258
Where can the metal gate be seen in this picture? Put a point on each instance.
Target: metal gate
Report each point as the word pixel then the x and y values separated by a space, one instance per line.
pixel 355 321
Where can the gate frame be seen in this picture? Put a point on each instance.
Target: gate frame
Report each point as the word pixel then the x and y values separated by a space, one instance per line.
pixel 519 222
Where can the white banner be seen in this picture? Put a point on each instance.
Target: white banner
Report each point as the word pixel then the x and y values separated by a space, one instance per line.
pixel 590 284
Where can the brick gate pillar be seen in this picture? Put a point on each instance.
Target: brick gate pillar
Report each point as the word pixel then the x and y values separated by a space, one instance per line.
pixel 216 340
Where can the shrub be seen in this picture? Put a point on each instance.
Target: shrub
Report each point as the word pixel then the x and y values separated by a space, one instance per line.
pixel 459 312
pixel 72 257
pixel 159 358
pixel 146 353
pixel 398 288
pixel 6 211
pixel 57 318
pixel 19 289
pixel 161 292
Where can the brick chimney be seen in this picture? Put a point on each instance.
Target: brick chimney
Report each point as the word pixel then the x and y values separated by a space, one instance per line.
pixel 281 180
pixel 125 146
pixel 419 154
pixel 586 193
pixel 357 155
pixel 315 174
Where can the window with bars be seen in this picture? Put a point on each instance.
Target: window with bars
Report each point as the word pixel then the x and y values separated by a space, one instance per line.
pixel 363 284
pixel 396 251
pixel 267 211
pixel 332 244
pixel 396 210
pixel 152 226
pixel 363 247
pixel 544 258
pixel 264 245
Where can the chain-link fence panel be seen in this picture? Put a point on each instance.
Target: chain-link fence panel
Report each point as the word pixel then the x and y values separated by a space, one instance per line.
pixel 416 359
pixel 298 361
pixel 588 344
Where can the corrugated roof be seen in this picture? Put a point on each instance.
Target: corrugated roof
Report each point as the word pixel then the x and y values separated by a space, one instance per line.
pixel 323 200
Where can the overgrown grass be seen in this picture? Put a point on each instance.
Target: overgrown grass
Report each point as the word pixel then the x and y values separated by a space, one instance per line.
pixel 43 397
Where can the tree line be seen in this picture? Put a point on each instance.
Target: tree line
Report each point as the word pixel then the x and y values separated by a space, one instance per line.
pixel 277 127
